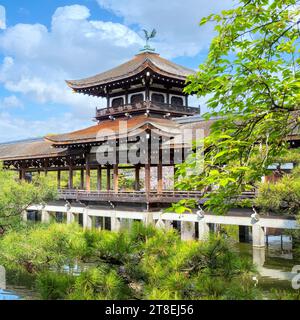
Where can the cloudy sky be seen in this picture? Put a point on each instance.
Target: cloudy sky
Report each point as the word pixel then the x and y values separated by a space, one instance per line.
pixel 42 43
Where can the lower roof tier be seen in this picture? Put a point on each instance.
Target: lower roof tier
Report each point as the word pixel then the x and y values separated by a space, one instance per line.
pixel 62 146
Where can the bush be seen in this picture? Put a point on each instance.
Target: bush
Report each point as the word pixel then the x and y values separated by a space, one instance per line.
pixel 282 197
pixel 143 263
pixel 42 247
pixel 54 286
pixel 99 284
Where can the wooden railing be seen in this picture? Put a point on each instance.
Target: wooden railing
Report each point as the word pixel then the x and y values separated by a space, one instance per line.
pixel 136 196
pixel 146 105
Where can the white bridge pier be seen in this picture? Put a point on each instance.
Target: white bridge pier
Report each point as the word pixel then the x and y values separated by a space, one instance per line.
pixel 119 219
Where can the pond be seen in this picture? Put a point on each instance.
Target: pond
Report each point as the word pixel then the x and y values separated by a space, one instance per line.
pixel 274 264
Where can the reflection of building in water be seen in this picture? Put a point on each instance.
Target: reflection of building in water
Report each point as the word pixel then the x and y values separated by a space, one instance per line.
pixel 264 259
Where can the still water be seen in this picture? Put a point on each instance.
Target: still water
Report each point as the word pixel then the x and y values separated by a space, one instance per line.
pixel 274 263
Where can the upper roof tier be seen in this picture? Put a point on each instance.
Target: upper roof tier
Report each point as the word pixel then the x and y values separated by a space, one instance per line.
pixel 139 63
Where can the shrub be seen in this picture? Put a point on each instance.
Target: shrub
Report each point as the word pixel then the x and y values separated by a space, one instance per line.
pixel 54 286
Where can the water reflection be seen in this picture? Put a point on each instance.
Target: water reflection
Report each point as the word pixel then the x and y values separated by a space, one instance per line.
pixel 9 295
pixel 274 262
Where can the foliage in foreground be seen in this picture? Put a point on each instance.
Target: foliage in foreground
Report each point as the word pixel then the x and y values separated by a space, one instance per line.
pixel 282 197
pixel 252 78
pixel 16 196
pixel 144 263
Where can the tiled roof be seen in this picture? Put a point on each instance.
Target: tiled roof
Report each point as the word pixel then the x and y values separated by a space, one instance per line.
pixel 29 150
pixel 112 128
pixel 134 66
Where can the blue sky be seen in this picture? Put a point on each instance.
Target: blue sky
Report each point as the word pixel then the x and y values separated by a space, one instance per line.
pixel 42 43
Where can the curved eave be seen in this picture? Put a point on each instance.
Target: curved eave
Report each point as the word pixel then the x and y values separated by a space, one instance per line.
pixel 91 135
pixel 32 150
pixel 146 64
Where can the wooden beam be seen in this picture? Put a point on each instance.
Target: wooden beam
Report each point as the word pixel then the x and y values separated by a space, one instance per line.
pixel 116 178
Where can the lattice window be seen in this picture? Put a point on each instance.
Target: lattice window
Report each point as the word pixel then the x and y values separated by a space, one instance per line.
pixel 177 101
pixel 117 102
pixel 159 98
pixel 137 98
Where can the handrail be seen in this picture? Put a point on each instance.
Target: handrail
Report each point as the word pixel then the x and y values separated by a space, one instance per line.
pixel 145 105
pixel 141 194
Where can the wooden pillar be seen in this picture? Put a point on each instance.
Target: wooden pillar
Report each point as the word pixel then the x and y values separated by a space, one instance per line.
pixel 168 96
pixel 99 178
pixel 87 177
pixel 58 179
pixel 108 100
pixel 186 100
pixel 147 178
pixel 22 174
pixel 46 165
pixel 137 178
pixel 147 91
pixel 116 178
pixel 126 96
pixel 108 178
pixel 160 178
pixel 82 179
pixel 70 183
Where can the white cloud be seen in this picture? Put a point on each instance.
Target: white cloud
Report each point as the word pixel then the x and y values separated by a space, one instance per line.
pixel 177 22
pixel 11 102
pixel 37 60
pixel 12 128
pixel 2 18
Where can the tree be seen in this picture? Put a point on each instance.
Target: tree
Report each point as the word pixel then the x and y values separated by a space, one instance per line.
pixel 252 78
pixel 16 196
pixel 41 247
pixel 141 263
pixel 281 196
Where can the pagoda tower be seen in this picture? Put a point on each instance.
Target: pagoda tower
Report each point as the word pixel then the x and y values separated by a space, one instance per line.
pixel 147 84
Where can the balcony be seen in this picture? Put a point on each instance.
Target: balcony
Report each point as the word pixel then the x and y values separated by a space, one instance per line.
pixel 145 106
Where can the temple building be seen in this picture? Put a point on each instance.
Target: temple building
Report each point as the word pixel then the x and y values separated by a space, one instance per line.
pixel 139 134
pixel 135 133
